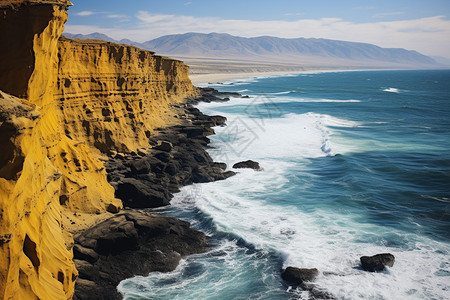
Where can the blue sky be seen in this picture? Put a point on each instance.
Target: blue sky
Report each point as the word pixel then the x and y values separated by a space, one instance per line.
pixel 417 25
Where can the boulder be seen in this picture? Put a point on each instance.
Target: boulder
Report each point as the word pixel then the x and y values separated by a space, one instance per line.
pixel 85 269
pixel 299 275
pixel 88 290
pixel 377 262
pixel 132 243
pixel 164 146
pixel 113 208
pixel 250 164
pixel 82 253
pixel 139 194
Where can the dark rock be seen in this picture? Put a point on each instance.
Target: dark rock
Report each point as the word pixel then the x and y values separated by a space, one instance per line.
pixel 164 146
pixel 112 208
pixel 140 166
pixel 227 174
pixel 85 269
pixel 134 243
pixel 220 165
pixel 80 252
pixel 299 275
pixel 157 244
pixel 218 120
pixel 377 262
pixel 138 194
pixel 88 290
pixel 163 156
pixel 247 164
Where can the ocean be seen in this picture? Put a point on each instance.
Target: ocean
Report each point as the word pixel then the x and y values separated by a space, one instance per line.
pixel 354 163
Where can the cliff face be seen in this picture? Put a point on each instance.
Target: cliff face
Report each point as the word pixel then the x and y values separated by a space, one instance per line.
pixel 63 104
pixel 105 92
pixel 111 97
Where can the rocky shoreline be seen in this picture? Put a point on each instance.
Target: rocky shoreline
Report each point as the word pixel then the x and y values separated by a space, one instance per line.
pixel 133 242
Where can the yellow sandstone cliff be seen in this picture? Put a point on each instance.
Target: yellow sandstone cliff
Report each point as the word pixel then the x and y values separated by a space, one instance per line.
pixel 63 105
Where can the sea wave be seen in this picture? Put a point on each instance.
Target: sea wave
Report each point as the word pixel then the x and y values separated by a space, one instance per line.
pixel 393 90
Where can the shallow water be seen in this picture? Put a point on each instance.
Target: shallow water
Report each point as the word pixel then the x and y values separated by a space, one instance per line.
pixel 354 163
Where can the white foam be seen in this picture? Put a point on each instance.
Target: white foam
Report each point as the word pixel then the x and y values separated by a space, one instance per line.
pixel 327 240
pixel 290 137
pixel 330 241
pixel 280 93
pixel 391 90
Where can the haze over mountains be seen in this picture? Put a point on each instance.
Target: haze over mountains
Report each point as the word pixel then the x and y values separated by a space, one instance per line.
pixel 301 51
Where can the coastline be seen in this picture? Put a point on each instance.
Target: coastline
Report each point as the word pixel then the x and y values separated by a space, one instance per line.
pixel 213 78
pixel 134 241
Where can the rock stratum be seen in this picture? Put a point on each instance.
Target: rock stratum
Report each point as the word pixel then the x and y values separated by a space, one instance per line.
pixel 64 106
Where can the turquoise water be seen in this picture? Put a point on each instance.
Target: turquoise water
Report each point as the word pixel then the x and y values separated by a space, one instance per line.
pixel 354 163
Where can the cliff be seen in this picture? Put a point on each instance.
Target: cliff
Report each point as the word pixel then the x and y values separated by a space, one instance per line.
pixel 65 104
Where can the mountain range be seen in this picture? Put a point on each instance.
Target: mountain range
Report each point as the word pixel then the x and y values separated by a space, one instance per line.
pixel 283 50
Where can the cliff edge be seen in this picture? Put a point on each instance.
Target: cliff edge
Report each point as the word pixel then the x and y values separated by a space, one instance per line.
pixel 65 104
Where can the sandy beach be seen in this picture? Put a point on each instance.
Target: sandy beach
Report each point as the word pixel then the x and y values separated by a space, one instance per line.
pixel 220 77
pixel 200 79
pixel 204 71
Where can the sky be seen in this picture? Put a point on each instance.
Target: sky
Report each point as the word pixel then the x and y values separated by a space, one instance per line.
pixel 421 25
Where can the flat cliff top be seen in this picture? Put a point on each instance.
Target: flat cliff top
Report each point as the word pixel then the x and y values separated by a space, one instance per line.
pixel 4 3
pixel 102 42
pixel 99 42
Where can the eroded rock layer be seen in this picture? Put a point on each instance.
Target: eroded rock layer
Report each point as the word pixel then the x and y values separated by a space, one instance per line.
pixel 63 104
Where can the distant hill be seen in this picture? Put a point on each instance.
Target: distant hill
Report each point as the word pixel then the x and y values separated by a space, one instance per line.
pixel 92 36
pixel 226 46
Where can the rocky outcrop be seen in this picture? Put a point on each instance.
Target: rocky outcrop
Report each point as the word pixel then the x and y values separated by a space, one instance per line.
pixel 130 243
pixel 377 262
pixel 302 279
pixel 113 97
pixel 64 105
pixel 250 164
pixel 299 275
pixel 178 158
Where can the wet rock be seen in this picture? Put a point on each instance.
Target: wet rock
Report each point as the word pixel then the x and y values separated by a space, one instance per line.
pixel 132 243
pixel 250 164
pixel 218 120
pixel 220 165
pixel 299 275
pixel 377 262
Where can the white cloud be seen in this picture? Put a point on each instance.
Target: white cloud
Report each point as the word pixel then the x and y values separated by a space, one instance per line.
pixel 387 14
pixel 430 36
pixel 85 13
pixel 188 3
pixel 113 16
